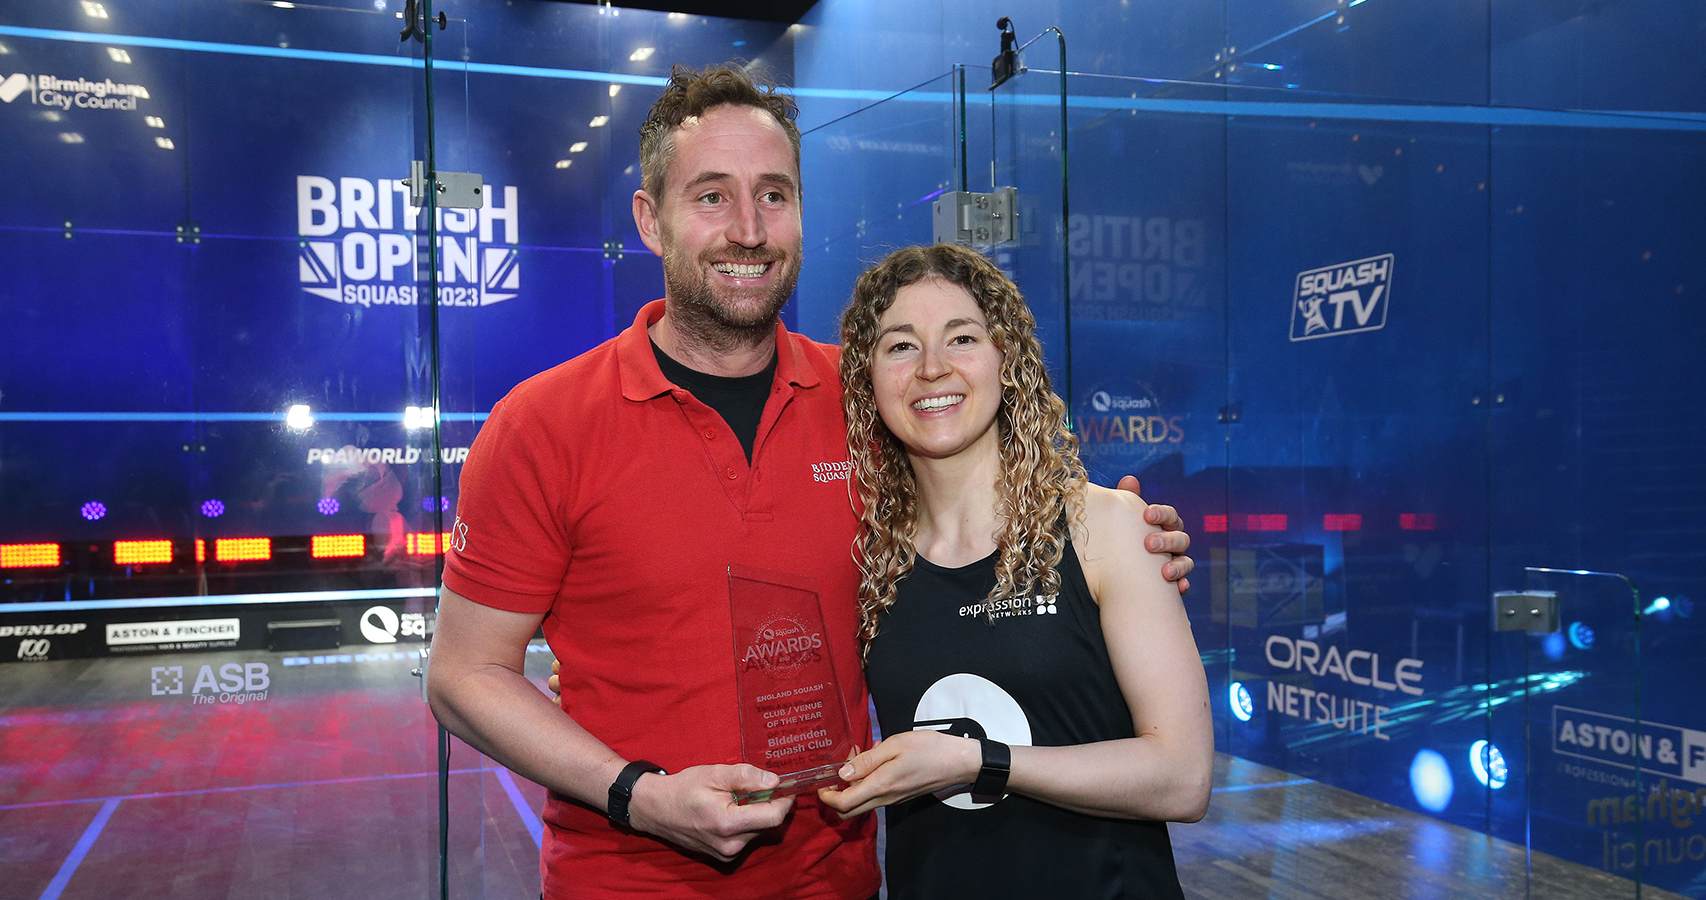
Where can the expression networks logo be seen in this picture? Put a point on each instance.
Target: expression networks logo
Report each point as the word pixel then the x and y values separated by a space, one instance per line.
pixel 1343 298
pixel 66 93
pixel 358 244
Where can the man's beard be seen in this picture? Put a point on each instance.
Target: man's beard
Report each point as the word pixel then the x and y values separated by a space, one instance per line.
pixel 720 322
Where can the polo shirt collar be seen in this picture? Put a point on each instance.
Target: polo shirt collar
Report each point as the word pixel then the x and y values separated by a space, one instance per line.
pixel 643 380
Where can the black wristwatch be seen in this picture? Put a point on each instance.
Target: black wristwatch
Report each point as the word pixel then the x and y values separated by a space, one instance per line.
pixel 622 789
pixel 991 781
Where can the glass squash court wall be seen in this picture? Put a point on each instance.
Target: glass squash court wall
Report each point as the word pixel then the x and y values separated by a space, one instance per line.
pixel 1361 474
pixel 220 535
pixel 1394 347
pixel 231 424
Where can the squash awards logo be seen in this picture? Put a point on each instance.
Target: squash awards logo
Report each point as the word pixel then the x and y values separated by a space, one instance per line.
pixel 1121 423
pixel 357 244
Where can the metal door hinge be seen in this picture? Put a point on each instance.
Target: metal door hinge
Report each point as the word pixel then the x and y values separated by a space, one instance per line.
pixel 976 220
pixel 456 190
pixel 1531 611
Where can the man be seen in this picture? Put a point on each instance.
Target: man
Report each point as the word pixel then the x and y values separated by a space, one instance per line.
pixel 606 499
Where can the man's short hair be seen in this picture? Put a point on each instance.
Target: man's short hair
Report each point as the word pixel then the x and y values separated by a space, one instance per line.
pixel 691 93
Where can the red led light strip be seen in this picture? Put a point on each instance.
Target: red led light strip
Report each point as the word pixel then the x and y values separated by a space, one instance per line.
pixel 337 546
pixel 29 556
pixel 134 553
pixel 242 549
pixel 421 544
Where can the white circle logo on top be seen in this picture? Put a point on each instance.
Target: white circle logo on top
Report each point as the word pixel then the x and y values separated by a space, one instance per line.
pixel 971 706
pixel 379 624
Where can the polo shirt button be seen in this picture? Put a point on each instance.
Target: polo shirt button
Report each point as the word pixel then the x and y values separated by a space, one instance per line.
pixel 733 475
pixel 710 433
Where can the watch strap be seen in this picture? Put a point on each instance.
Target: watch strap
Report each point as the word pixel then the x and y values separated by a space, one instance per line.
pixel 622 789
pixel 991 781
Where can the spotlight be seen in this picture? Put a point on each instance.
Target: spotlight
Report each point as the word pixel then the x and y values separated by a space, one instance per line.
pixel 299 417
pixel 328 506
pixel 93 510
pixel 1554 645
pixel 417 417
pixel 213 509
pixel 1430 780
pixel 1581 636
pixel 1242 706
pixel 1488 764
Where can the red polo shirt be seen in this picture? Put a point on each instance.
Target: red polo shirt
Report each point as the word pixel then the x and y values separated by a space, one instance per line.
pixel 613 502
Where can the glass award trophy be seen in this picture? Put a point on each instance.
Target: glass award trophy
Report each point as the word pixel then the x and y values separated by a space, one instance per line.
pixel 793 720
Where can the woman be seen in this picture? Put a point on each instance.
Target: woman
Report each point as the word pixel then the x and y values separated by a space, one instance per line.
pixel 1043 701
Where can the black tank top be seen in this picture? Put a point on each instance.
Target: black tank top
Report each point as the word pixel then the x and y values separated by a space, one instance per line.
pixel 1039 676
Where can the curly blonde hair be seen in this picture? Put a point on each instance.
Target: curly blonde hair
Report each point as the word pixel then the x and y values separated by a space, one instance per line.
pixel 1041 472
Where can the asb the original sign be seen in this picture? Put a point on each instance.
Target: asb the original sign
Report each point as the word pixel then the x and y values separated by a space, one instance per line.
pixel 1343 298
pixel 358 244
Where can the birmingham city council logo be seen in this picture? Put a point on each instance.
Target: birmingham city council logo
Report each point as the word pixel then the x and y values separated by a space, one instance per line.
pixel 13 85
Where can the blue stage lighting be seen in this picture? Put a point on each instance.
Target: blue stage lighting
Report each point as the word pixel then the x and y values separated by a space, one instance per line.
pixel 1554 645
pixel 1242 706
pixel 1488 764
pixel 1430 781
pixel 1581 636
pixel 328 506
pixel 93 510
pixel 213 509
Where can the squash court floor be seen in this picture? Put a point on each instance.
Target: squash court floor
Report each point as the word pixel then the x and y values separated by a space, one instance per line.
pixel 148 777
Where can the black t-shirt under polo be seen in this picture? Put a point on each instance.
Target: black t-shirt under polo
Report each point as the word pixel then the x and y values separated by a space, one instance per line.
pixel 740 400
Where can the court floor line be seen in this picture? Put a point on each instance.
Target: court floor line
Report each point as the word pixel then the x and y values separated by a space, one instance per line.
pixel 529 818
pixel 246 787
pixel 1266 784
pixel 69 867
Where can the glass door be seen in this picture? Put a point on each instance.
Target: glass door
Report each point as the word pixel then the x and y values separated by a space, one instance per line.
pixel 1589 780
pixel 220 514
pixel 872 167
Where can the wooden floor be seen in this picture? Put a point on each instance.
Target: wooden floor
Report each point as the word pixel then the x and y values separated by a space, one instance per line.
pixel 327 788
pixel 1302 840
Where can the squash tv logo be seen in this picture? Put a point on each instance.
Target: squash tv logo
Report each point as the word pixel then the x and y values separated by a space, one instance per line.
pixel 1343 298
